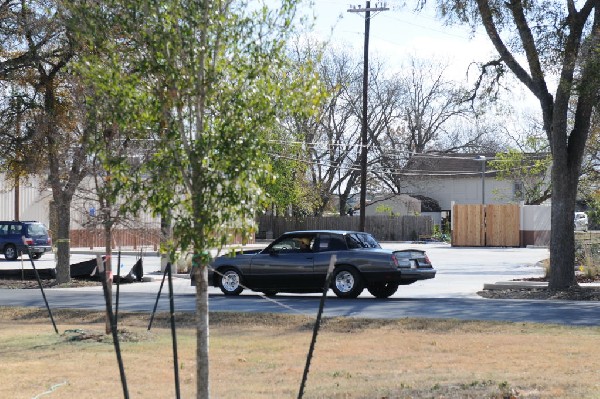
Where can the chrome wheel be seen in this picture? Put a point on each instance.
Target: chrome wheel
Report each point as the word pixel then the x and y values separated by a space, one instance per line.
pixel 344 281
pixel 230 282
pixel 10 252
pixel 347 282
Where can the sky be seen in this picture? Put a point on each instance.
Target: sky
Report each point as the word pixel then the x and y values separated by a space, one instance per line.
pixel 401 33
pixel 397 34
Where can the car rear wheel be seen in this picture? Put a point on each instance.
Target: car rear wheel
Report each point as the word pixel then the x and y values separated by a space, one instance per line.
pixel 230 282
pixel 383 290
pixel 347 282
pixel 10 252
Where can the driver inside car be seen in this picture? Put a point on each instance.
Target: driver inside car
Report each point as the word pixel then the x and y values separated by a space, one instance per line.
pixel 304 244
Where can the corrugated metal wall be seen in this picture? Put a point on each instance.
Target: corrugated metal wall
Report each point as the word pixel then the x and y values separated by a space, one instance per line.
pixel 33 202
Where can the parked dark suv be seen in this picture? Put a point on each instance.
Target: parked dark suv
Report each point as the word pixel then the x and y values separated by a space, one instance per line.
pixel 13 234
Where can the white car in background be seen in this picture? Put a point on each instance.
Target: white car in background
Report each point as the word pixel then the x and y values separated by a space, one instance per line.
pixel 581 221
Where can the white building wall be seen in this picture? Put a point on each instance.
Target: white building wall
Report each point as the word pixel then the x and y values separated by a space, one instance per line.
pixel 33 202
pixel 536 217
pixel 398 205
pixel 84 204
pixel 463 190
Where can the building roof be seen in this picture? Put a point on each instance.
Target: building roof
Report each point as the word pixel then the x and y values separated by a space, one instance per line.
pixel 452 165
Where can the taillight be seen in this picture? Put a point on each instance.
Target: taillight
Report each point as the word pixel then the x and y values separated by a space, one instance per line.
pixel 28 241
pixel 49 241
pixel 395 260
pixel 427 259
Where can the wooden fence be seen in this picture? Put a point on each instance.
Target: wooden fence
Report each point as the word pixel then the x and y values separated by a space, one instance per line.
pixel 486 225
pixel 127 238
pixel 384 228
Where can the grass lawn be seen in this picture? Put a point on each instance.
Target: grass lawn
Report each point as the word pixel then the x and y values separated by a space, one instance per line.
pixel 263 356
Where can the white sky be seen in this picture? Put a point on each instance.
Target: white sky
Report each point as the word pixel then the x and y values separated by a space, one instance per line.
pixel 399 33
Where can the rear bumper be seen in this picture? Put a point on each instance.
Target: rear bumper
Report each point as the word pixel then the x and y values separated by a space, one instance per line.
pixel 400 276
pixel 38 249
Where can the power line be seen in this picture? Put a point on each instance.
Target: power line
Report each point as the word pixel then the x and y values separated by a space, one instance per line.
pixel 390 171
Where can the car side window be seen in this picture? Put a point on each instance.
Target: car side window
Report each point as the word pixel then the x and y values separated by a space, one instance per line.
pixel 287 244
pixel 294 244
pixel 15 229
pixel 330 242
pixel 3 229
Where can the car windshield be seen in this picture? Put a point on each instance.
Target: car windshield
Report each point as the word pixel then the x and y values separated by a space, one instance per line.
pixel 361 240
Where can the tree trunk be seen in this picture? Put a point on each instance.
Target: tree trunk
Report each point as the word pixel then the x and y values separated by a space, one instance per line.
pixel 201 276
pixel 108 243
pixel 562 236
pixel 63 271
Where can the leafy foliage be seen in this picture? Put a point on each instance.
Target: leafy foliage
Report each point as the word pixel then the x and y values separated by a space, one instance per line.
pixel 206 83
pixel 531 170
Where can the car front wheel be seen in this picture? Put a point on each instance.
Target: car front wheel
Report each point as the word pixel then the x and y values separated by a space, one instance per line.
pixel 230 282
pixel 347 283
pixel 10 252
pixel 383 290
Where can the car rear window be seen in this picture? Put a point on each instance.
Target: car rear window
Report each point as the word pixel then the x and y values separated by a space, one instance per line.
pixel 36 229
pixel 361 240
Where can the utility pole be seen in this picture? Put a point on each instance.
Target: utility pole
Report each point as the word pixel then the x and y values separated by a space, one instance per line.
pixel 364 129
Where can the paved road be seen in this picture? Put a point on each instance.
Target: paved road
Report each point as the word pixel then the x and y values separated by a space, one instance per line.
pixel 452 294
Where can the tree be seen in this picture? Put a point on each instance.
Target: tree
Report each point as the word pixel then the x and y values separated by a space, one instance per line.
pixel 589 184
pixel 332 140
pixel 37 48
pixel 432 114
pixel 527 162
pixel 206 79
pixel 547 44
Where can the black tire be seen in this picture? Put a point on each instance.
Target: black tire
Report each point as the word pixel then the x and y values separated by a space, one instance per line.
pixel 383 290
pixel 36 255
pixel 10 252
pixel 230 282
pixel 347 282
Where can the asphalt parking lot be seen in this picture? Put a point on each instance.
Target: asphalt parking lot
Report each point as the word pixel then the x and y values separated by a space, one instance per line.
pixel 461 271
pixel 452 294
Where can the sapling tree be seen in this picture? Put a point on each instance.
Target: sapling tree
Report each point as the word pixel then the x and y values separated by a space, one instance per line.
pixel 206 82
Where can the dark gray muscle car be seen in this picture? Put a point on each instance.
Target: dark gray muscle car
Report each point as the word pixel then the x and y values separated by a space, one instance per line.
pixel 298 262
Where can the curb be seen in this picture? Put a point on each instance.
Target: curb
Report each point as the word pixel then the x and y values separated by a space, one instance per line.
pixel 515 285
pixel 99 252
pixel 158 277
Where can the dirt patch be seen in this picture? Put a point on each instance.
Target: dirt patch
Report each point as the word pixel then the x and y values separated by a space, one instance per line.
pixel 17 283
pixel 571 294
pixel 264 357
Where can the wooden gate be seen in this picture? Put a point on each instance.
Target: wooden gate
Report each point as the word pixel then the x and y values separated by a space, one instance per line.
pixel 468 226
pixel 486 225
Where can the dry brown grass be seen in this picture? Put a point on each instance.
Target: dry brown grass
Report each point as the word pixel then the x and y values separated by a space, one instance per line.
pixel 263 356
